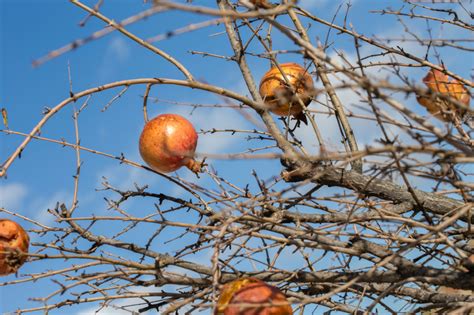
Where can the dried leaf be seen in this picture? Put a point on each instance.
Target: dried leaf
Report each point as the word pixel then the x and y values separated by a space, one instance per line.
pixel 5 117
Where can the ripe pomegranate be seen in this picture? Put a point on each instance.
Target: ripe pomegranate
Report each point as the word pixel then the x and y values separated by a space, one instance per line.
pixel 279 96
pixel 14 242
pixel 168 142
pixel 250 296
pixel 439 82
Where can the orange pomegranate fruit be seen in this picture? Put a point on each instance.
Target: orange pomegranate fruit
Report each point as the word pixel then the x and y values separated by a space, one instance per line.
pixel 250 296
pixel 14 242
pixel 282 98
pixel 168 142
pixel 442 109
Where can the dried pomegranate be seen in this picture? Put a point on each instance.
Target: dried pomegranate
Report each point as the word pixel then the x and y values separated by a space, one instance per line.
pixel 168 142
pixel 14 242
pixel 279 96
pixel 250 296
pixel 439 82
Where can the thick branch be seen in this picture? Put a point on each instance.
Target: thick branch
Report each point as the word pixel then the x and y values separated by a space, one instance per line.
pixel 370 186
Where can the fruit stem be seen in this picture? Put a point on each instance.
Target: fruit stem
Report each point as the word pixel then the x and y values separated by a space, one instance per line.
pixel 195 166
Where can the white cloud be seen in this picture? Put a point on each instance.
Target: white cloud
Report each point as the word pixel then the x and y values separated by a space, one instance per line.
pixel 119 48
pixel 38 207
pixel 12 195
pixel 367 131
pixel 219 119
pixel 117 53
pixel 312 4
pixel 124 176
pixel 327 126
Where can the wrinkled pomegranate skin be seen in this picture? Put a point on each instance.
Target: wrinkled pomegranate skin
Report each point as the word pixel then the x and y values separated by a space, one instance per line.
pixel 276 94
pixel 12 238
pixel 438 82
pixel 228 291
pixel 167 142
pixel 262 296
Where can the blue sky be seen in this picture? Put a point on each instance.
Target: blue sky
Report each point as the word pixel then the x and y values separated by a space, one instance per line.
pixel 43 175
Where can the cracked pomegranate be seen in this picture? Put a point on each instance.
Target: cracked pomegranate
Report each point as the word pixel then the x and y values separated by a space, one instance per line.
pixel 14 242
pixel 442 109
pixel 283 97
